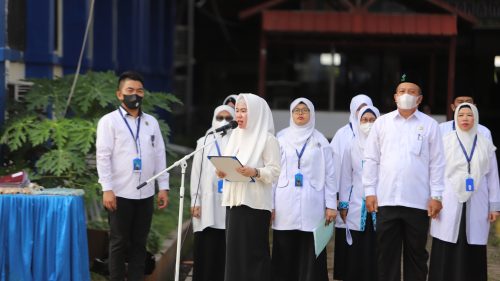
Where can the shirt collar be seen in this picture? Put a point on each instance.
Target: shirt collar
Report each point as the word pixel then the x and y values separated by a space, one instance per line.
pixel 417 114
pixel 125 112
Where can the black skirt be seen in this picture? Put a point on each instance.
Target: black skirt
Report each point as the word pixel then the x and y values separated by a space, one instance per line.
pixel 361 256
pixel 209 255
pixel 247 244
pixel 340 255
pixel 458 261
pixel 294 258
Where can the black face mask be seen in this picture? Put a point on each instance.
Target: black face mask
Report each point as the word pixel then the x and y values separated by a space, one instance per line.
pixel 132 101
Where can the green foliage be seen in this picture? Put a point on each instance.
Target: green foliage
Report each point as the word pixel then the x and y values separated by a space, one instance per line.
pixel 57 147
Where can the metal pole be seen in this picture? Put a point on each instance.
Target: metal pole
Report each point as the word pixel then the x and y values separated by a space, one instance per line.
pixel 179 222
pixel 451 74
pixel 331 96
pixel 188 101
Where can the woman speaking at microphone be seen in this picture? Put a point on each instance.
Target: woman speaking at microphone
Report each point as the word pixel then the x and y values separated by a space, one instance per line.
pixel 249 204
pixel 206 196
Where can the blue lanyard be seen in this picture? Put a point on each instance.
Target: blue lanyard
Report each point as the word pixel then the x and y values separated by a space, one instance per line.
pixel 299 155
pixel 467 157
pixel 350 125
pixel 453 125
pixel 218 148
pixel 136 137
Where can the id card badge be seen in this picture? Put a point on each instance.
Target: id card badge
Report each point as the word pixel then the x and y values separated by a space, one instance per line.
pixel 299 180
pixel 137 164
pixel 469 184
pixel 220 184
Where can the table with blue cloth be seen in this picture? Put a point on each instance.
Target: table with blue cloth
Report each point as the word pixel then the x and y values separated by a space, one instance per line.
pixel 43 237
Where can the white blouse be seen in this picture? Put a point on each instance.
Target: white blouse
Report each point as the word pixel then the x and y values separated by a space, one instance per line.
pixel 351 191
pixel 204 187
pixel 484 200
pixel 343 138
pixel 303 208
pixel 258 194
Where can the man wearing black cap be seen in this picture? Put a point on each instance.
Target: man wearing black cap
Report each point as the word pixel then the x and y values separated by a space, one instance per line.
pixel 403 178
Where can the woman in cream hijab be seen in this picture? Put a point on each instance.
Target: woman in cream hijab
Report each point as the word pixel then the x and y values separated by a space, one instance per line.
pixel 471 201
pixel 249 204
pixel 304 197
pixel 206 199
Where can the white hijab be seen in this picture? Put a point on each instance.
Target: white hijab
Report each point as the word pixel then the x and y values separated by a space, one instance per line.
pixel 297 135
pixel 456 164
pixel 235 97
pixel 360 136
pixel 356 102
pixel 216 124
pixel 248 144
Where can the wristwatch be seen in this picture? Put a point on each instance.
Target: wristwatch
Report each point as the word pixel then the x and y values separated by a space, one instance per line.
pixel 437 198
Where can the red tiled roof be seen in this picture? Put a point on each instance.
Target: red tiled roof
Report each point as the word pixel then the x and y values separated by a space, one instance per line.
pixel 359 23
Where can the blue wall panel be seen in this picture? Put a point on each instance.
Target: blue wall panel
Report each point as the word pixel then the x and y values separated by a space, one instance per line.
pixel 103 36
pixel 39 55
pixel 75 16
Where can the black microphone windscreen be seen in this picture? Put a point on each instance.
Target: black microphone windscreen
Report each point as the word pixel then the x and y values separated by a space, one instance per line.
pixel 233 124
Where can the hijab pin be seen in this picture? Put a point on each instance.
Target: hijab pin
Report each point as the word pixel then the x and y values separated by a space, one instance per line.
pixel 147 123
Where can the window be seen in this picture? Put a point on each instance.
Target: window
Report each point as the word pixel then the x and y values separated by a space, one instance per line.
pixel 16 24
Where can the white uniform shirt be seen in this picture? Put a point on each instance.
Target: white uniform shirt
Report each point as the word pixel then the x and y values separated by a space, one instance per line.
pixel 343 137
pixel 480 204
pixel 351 188
pixel 258 194
pixel 404 160
pixel 204 188
pixel 116 151
pixel 302 208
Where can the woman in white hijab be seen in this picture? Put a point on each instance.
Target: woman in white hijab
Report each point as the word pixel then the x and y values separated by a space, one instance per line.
pixel 206 204
pixel 249 204
pixel 461 229
pixel 342 138
pixel 304 197
pixel 360 260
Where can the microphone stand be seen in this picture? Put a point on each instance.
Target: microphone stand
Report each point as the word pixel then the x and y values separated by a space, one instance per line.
pixel 183 164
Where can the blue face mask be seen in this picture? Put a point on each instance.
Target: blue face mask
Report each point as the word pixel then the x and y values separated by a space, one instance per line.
pixel 132 101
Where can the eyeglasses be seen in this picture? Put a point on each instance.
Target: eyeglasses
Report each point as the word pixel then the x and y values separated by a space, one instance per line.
pixel 300 111
pixel 227 118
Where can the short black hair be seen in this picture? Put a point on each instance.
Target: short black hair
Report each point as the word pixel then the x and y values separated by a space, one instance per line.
pixel 231 99
pixel 464 106
pixel 130 75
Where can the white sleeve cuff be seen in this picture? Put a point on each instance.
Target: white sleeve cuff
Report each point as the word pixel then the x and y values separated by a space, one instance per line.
pixel 370 191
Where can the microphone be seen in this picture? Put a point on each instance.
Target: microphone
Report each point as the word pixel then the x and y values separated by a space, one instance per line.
pixel 231 125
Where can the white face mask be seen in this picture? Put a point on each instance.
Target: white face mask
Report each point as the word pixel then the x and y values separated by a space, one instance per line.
pixel 407 101
pixel 365 128
pixel 218 124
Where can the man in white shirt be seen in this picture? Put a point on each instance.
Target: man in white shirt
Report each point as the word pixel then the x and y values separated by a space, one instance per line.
pixel 403 179
pixel 130 150
pixel 449 126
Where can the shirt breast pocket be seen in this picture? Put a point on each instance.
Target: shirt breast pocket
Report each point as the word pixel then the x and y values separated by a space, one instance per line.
pixel 417 144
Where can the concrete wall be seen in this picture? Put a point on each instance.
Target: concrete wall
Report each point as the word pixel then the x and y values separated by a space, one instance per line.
pixel 326 122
